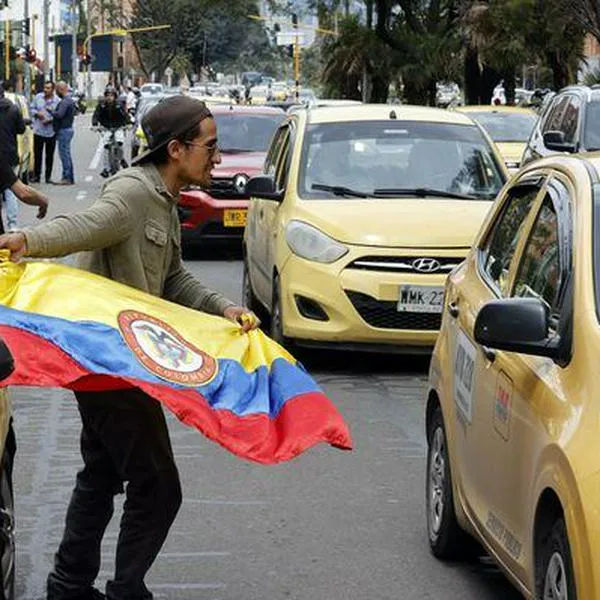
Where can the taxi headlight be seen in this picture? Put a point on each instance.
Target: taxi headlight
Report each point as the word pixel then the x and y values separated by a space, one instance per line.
pixel 311 243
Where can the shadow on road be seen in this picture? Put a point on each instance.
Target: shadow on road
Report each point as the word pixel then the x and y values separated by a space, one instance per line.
pixel 214 251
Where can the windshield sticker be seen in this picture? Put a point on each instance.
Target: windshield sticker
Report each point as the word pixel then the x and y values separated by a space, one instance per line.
pixel 503 405
pixel 464 373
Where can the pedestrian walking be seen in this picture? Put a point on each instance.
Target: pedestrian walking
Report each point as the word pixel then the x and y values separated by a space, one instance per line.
pixel 11 125
pixel 63 126
pixel 44 137
pixel 133 235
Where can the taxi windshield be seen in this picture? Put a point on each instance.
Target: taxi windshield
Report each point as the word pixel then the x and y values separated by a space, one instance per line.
pixel 378 158
pixel 506 126
pixel 246 132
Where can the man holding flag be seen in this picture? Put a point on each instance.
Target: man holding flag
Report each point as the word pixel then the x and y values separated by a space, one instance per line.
pixel 131 235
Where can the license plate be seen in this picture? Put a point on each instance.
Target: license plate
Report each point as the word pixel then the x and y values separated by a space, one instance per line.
pixel 235 218
pixel 420 299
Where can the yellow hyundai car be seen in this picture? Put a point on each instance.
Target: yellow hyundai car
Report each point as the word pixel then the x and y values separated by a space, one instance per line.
pixel 359 216
pixel 509 127
pixel 512 409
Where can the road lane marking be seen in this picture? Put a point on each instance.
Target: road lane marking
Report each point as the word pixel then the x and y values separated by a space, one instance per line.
pixel 89 178
pixel 97 156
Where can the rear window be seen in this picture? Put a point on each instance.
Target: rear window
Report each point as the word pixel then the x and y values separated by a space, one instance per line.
pixel 246 132
pixel 388 155
pixel 506 126
pixel 591 134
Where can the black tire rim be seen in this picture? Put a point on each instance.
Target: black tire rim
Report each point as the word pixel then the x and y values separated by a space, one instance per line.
pixel 436 483
pixel 7 537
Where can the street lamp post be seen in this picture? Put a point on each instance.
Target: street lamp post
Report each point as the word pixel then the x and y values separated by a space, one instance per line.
pixel 74 62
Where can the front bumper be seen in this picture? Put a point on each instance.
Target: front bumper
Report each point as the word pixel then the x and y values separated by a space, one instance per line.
pixel 360 305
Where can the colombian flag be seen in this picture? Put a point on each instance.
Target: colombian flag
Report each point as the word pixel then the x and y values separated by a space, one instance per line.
pixel 72 329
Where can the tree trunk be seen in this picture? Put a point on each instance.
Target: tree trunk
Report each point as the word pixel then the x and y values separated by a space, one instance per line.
pixel 472 77
pixel 379 89
pixel 509 86
pixel 369 4
pixel 560 70
pixel 431 93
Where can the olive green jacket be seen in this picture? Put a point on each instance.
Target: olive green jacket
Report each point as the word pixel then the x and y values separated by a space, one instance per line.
pixel 131 235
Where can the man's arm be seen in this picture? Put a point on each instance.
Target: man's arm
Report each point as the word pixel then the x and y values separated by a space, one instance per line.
pixel 96 116
pixel 104 224
pixel 30 196
pixel 183 288
pixel 61 110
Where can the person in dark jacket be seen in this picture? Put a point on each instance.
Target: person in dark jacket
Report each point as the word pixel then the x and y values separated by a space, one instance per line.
pixel 111 115
pixel 11 125
pixel 63 125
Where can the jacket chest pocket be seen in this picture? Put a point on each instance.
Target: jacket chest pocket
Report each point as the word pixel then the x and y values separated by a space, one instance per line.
pixel 156 254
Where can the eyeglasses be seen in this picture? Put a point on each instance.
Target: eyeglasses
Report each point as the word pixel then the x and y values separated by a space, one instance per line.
pixel 212 149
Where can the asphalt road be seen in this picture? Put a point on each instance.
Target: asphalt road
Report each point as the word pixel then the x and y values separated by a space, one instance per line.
pixel 330 525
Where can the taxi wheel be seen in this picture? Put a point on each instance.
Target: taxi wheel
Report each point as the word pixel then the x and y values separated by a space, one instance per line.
pixel 447 539
pixel 7 524
pixel 555 579
pixel 277 318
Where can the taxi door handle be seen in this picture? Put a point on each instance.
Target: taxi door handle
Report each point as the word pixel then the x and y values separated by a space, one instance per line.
pixel 453 309
pixel 489 353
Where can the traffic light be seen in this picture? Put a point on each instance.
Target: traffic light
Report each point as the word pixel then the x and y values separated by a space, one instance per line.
pixel 30 55
pixel 86 59
pixel 290 50
pixel 295 20
pixel 25 30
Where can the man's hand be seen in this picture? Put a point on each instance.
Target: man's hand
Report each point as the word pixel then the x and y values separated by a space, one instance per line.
pixel 32 197
pixel 16 243
pixel 240 315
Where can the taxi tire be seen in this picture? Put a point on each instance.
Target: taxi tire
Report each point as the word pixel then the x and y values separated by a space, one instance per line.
pixel 249 299
pixel 276 329
pixel 555 542
pixel 451 542
pixel 7 530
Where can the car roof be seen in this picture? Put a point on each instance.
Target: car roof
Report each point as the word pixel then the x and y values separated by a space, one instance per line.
pixel 495 109
pixel 220 109
pixel 380 112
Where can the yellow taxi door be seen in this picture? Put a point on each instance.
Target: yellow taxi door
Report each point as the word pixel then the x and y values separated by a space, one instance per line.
pixel 483 277
pixel 257 229
pixel 518 390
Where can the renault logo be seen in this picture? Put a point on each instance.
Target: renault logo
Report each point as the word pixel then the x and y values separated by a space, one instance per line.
pixel 426 265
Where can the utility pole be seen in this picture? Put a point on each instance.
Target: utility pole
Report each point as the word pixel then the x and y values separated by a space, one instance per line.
pixel 46 17
pixel 27 41
pixel 296 55
pixel 87 49
pixel 74 63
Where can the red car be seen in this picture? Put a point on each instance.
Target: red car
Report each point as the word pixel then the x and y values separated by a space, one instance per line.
pixel 219 213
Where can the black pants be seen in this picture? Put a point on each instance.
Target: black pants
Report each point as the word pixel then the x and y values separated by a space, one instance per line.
pixel 39 143
pixel 124 439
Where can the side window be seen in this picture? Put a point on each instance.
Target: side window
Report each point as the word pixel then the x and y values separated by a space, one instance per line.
pixel 539 272
pixel 554 120
pixel 570 119
pixel 506 233
pixel 283 166
pixel 270 166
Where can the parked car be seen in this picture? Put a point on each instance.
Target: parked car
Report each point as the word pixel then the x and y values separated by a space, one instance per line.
pixel 360 214
pixel 24 141
pixel 512 406
pixel 509 127
pixel 7 513
pixel 219 213
pixel 569 123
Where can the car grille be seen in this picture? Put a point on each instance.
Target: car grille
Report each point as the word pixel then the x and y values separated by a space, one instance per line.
pixel 404 264
pixel 383 314
pixel 224 188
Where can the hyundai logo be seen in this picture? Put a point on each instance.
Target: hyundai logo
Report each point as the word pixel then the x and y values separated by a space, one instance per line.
pixel 426 265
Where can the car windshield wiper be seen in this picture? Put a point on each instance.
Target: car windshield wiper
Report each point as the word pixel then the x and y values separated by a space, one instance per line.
pixel 339 190
pixel 422 192
pixel 234 150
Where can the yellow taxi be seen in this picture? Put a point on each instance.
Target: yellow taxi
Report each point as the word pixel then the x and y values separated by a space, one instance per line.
pixel 7 453
pixel 512 409
pixel 360 214
pixel 24 141
pixel 508 126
